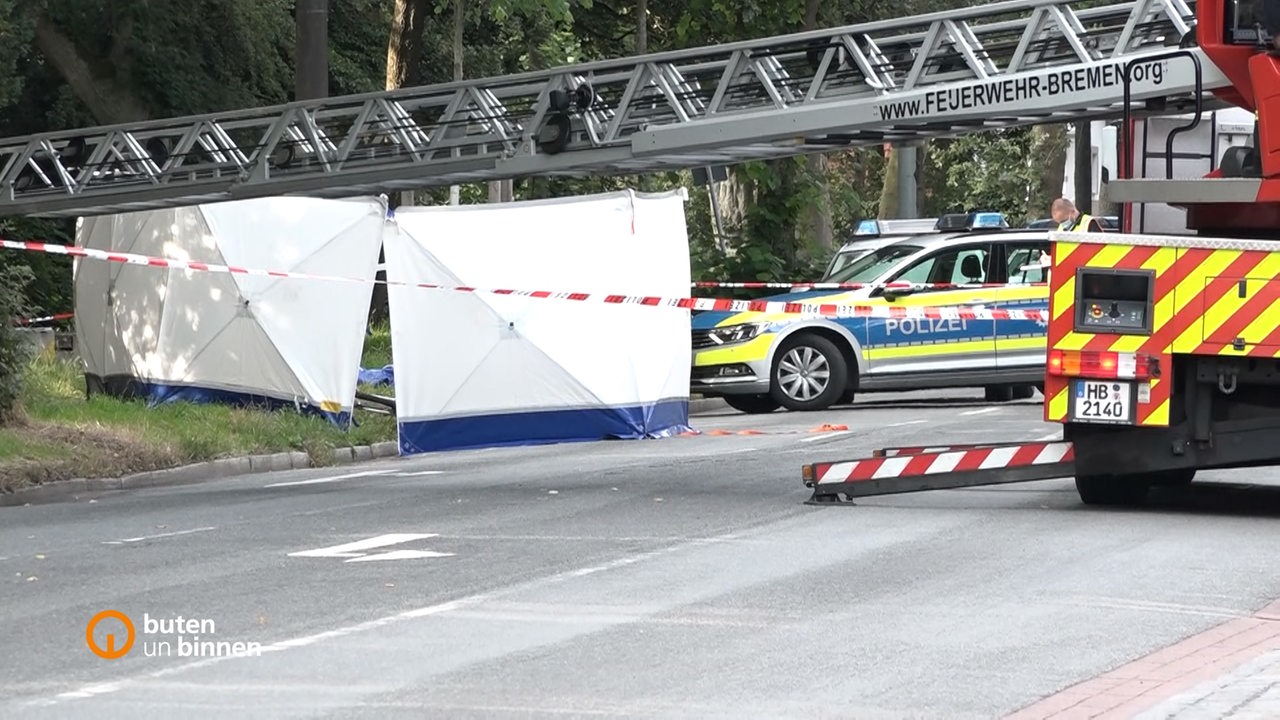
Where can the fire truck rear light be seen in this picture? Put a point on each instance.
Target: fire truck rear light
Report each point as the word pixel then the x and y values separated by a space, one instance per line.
pixel 1101 364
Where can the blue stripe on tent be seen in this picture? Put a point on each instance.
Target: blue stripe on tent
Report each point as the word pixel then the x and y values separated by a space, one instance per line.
pixel 163 393
pixel 544 427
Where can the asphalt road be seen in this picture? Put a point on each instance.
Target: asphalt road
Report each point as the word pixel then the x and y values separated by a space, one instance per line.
pixel 678 577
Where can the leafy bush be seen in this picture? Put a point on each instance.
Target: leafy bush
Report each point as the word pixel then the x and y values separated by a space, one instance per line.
pixel 15 351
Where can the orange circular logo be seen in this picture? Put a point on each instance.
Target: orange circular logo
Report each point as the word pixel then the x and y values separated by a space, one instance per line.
pixel 110 652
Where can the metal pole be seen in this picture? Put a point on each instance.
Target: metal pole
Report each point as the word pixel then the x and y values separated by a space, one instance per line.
pixel 1084 166
pixel 907 204
pixel 311 71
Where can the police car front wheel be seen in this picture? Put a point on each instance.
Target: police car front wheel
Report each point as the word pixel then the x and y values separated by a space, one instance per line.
pixel 809 373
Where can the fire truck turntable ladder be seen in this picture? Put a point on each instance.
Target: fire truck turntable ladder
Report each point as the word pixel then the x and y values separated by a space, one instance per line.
pixel 1163 351
pixel 942 74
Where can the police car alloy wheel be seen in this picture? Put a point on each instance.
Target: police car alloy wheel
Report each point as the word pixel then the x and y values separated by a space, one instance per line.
pixel 809 373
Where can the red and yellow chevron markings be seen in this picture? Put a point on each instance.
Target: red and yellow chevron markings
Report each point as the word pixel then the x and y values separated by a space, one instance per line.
pixel 1245 307
pixel 1204 300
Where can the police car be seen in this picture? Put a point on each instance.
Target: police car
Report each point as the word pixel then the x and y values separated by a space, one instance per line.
pixel 758 361
pixel 874 234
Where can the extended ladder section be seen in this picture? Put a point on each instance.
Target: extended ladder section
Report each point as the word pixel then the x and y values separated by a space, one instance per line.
pixel 941 74
pixel 915 469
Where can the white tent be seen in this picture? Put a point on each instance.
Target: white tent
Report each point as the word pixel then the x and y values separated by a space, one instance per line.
pixel 481 370
pixel 174 334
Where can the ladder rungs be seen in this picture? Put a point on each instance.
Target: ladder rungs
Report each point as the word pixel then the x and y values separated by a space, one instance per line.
pixel 888 80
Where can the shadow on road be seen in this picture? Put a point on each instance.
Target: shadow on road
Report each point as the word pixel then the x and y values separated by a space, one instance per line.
pixel 935 403
pixel 1218 498
pixel 913 404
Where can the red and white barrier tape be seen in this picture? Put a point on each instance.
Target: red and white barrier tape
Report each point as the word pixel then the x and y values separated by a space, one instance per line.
pixel 687 303
pixel 46 318
pixel 849 286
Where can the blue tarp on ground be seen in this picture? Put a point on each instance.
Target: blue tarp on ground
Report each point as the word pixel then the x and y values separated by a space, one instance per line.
pixel 378 376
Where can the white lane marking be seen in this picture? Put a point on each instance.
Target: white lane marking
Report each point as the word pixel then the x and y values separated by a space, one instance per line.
pixel 733 452
pixel 140 538
pixel 419 473
pixel 1114 603
pixel 353 549
pixel 825 436
pixel 401 555
pixel 105 688
pixel 981 411
pixel 908 422
pixel 333 478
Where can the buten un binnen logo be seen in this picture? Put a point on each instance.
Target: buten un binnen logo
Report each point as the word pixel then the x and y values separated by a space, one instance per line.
pixel 175 636
pixel 110 652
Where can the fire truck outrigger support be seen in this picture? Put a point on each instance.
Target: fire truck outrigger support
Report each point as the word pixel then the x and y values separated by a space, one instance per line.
pixel 1162 350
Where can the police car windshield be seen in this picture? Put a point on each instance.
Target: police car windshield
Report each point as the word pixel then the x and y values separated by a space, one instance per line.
pixel 874 264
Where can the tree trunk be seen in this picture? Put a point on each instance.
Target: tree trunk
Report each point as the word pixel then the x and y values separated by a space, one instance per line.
pixel 642 27
pixel 817 222
pixel 404 58
pixel 94 81
pixel 459 22
pixel 404 44
pixel 889 189
pixel 735 195
pixel 1049 153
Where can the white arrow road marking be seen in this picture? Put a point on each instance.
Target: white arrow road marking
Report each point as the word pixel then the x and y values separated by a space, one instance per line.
pixel 400 555
pixel 355 549
pixel 335 478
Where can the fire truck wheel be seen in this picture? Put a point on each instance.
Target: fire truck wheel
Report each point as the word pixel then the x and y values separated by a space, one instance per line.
pixel 1007 393
pixel 1112 490
pixel 751 404
pixel 997 393
pixel 809 373
pixel 1174 478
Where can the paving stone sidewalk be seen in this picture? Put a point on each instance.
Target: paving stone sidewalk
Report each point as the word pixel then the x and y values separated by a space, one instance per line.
pixel 1251 692
pixel 1229 671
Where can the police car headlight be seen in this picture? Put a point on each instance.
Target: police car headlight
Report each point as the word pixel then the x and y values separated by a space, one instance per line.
pixel 736 333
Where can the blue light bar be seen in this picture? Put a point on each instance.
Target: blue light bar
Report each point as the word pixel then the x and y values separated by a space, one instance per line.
pixel 867 227
pixel 988 220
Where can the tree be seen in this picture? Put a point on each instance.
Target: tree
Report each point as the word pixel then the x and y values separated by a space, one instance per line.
pixel 15 352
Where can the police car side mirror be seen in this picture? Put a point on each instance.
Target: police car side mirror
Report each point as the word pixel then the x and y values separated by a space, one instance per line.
pixel 895 293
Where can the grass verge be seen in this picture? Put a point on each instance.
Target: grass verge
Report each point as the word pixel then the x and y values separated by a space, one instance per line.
pixel 60 435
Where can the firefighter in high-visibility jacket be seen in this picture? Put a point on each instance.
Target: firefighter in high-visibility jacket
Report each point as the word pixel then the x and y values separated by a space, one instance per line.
pixel 1070 219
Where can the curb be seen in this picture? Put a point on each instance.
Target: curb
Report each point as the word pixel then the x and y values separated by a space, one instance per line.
pixel 195 473
pixel 231 467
